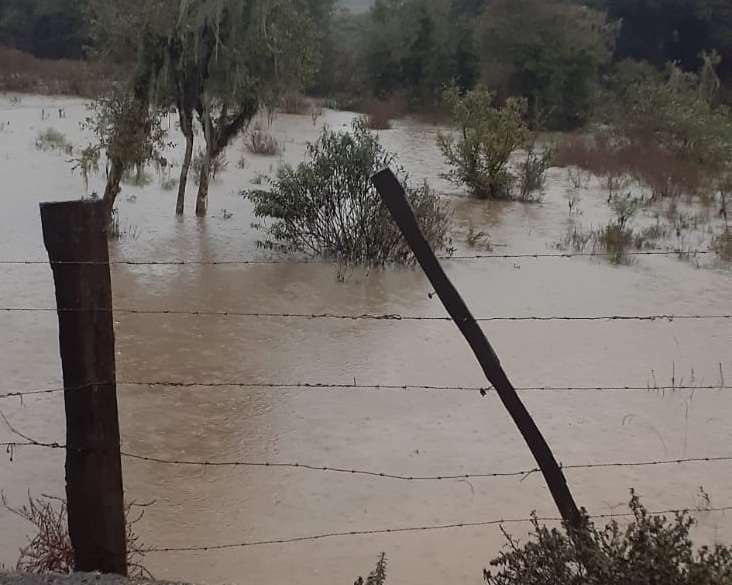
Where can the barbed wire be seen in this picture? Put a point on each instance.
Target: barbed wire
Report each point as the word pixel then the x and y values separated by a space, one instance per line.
pixel 359 386
pixel 523 473
pixel 670 317
pixel 398 530
pixel 319 262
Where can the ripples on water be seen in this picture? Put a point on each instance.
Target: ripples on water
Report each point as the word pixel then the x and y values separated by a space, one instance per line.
pixel 407 432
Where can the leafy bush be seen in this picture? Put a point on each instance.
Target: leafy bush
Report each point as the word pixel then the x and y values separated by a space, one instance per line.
pixel 649 550
pixel 487 136
pixel 532 172
pixel 327 205
pixel 679 113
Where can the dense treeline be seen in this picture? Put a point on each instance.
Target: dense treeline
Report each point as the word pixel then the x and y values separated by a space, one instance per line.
pixel 554 53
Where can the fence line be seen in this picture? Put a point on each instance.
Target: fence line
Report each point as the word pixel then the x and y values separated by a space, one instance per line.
pixel 368 316
pixel 525 255
pixel 357 386
pixel 457 525
pixel 523 473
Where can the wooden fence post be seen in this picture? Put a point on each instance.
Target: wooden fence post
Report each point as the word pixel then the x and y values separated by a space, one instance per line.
pixel 395 199
pixel 74 234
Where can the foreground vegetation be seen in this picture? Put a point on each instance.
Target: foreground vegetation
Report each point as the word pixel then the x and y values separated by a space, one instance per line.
pixel 648 549
pixel 49 550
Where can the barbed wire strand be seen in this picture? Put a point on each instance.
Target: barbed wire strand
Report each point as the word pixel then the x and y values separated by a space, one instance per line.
pixel 670 317
pixel 375 387
pixel 29 442
pixel 456 525
pixel 518 256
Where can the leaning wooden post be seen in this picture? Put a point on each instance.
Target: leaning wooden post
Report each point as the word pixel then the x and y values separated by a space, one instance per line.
pixel 395 199
pixel 74 234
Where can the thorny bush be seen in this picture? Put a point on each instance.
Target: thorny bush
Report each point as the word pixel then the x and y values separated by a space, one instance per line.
pixel 327 206
pixel 50 550
pixel 649 550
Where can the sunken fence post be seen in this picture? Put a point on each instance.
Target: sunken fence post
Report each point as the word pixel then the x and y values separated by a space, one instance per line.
pixel 395 199
pixel 74 233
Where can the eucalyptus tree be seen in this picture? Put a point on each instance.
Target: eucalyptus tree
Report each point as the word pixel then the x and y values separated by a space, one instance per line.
pixel 224 59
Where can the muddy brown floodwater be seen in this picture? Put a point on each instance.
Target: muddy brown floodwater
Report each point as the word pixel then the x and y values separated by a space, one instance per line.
pixel 407 432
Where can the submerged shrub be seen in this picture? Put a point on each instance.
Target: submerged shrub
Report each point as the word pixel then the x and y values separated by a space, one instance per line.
pixel 532 172
pixel 52 139
pixel 650 549
pixel 258 141
pixel 485 139
pixel 327 206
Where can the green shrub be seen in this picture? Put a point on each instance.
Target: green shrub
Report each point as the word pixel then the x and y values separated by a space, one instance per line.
pixel 486 138
pixel 327 206
pixel 532 171
pixel 649 550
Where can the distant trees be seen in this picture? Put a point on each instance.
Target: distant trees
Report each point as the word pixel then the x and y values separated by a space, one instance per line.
pixel 49 29
pixel 548 51
pixel 554 53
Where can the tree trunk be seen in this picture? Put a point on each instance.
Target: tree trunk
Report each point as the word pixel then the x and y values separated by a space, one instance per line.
pixel 218 134
pixel 114 177
pixel 186 127
pixel 202 198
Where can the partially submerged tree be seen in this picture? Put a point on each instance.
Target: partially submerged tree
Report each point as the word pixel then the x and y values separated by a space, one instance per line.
pixel 216 60
pixel 327 205
pixel 126 121
pixel 224 58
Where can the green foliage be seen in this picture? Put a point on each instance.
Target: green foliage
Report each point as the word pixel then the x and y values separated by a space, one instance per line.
pixel 416 47
pixel 125 129
pixel 648 550
pixel 680 114
pixel 343 72
pixel 616 237
pixel 49 29
pixel 532 171
pixel 327 206
pixel 87 163
pixel 486 137
pixel 551 53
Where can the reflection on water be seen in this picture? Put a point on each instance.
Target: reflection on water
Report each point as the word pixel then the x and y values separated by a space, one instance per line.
pixel 407 432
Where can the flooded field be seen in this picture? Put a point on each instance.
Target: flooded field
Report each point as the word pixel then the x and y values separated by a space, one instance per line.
pixel 404 432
